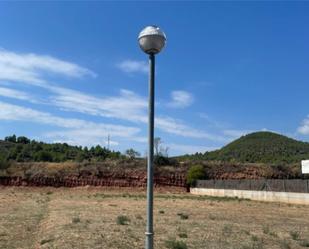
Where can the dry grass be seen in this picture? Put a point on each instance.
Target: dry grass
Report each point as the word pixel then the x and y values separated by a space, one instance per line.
pixel 87 218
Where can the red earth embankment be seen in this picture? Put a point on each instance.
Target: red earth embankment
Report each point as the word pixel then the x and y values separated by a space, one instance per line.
pixel 175 180
pixel 108 173
pixel 132 173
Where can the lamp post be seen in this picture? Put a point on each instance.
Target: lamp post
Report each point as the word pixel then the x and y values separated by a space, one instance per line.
pixel 151 40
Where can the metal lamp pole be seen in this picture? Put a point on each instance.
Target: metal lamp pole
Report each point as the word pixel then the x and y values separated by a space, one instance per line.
pixel 149 228
pixel 151 40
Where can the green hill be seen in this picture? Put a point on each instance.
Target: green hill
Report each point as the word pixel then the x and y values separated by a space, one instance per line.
pixel 260 147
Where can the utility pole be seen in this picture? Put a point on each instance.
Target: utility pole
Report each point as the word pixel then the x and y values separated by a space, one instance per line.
pixel 108 141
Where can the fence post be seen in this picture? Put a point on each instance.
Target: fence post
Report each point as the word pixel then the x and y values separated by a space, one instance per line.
pixel 284 185
pixel 265 185
pixel 307 186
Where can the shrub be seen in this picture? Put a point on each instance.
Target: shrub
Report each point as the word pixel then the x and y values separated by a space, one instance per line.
pixel 195 173
pixel 76 220
pixel 284 244
pixel 44 241
pixel 44 156
pixel 131 153
pixel 266 230
pixel 227 229
pixel 183 235
pixel 304 243
pixel 294 235
pixel 160 160
pixel 174 244
pixel 139 217
pixel 212 217
pixel 4 164
pixel 254 238
pixel 183 216
pixel 123 220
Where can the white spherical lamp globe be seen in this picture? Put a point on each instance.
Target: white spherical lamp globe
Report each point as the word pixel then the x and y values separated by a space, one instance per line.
pixel 152 39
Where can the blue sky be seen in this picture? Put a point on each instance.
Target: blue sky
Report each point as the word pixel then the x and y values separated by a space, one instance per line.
pixel 73 72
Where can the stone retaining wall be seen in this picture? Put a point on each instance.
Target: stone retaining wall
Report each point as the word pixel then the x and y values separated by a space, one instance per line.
pixel 269 196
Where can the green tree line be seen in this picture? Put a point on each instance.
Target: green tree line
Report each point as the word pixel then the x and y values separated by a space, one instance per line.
pixel 22 149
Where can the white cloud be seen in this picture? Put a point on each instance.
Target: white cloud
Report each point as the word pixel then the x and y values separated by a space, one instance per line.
pixel 76 130
pixel 211 122
pixel 178 149
pixel 181 99
pixel 16 94
pixel 304 128
pixel 127 106
pixel 236 133
pixel 31 68
pixel 133 66
pixel 176 127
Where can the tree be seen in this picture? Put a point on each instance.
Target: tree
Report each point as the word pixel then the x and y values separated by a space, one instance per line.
pixel 11 139
pixel 164 151
pixel 159 149
pixel 131 153
pixel 23 140
pixel 44 156
pixel 156 143
pixel 23 149
pixel 195 173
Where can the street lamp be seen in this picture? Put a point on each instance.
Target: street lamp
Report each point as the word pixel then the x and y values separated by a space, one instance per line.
pixel 151 40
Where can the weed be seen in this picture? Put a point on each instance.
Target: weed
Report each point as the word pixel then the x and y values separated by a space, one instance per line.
pixel 174 244
pixel 211 217
pixel 75 220
pixel 294 235
pixel 227 229
pixel 254 245
pixel 183 235
pixel 183 216
pixel 304 243
pixel 123 220
pixel 246 232
pixel 266 230
pixel 44 241
pixel 161 212
pixel 138 217
pixel 254 238
pixel 284 244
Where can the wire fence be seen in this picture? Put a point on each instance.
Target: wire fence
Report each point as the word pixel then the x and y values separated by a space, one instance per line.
pixel 277 185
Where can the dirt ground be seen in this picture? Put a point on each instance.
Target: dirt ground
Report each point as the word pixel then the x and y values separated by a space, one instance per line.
pixel 115 219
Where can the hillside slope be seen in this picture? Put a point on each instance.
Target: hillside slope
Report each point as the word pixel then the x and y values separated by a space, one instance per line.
pixel 262 147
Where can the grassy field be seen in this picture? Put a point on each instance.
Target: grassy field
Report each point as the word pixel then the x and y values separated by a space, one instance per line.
pixel 100 218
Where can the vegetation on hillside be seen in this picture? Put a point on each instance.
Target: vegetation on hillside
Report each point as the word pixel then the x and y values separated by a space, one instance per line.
pixel 258 147
pixel 22 149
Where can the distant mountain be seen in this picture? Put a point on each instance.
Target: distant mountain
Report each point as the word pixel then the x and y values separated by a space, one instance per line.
pixel 260 147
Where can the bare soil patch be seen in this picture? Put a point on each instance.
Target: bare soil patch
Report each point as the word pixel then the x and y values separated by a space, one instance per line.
pixel 89 218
